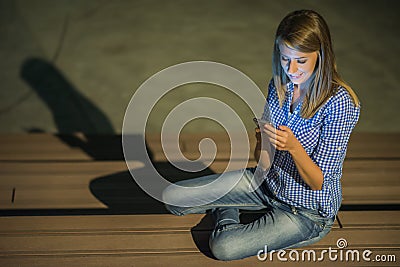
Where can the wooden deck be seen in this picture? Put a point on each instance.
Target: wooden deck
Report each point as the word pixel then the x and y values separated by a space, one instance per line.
pixel 70 201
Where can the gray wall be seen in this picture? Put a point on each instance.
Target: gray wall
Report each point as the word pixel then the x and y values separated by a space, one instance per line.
pixel 74 65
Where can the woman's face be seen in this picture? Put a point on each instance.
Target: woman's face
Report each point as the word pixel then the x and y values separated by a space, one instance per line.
pixel 298 66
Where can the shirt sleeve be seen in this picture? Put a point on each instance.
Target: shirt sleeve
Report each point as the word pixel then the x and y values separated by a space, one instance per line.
pixel 340 118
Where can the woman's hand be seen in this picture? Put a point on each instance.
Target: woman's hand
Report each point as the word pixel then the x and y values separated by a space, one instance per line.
pixel 282 138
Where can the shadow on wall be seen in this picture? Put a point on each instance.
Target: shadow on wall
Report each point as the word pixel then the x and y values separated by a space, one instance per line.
pixel 72 112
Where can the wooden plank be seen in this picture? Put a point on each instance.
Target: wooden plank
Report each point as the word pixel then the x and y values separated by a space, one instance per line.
pixel 49 147
pixel 371 195
pixel 64 243
pixel 190 146
pixel 65 168
pixel 56 185
pixel 160 222
pixel 67 184
pixel 40 239
pixel 354 172
pixel 371 172
pixel 363 181
pixel 361 145
pixel 371 182
pixel 374 145
pixel 370 219
pixel 187 259
pixel 222 166
pixel 101 241
pixel 38 147
pixel 79 185
pixel 42 146
pixel 96 223
pixel 222 140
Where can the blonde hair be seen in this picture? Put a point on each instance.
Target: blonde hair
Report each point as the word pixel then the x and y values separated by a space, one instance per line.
pixel 306 31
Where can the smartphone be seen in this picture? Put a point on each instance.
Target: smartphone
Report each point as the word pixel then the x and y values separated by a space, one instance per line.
pixel 259 122
pixel 256 122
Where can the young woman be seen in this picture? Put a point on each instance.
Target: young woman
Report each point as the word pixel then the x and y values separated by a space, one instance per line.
pixel 311 113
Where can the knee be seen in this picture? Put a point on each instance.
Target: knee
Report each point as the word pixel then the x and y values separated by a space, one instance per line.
pixel 222 248
pixel 169 195
pixel 174 210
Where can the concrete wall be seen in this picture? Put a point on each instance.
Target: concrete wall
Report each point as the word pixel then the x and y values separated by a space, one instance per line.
pixel 74 65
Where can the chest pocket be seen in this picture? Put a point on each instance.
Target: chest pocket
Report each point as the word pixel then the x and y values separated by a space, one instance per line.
pixel 307 131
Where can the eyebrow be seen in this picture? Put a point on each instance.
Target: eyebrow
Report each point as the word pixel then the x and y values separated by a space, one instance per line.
pixel 295 57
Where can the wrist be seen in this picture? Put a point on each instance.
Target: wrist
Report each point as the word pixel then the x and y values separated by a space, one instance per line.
pixel 297 147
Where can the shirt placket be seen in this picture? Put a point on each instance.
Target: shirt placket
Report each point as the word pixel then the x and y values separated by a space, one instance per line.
pixel 283 157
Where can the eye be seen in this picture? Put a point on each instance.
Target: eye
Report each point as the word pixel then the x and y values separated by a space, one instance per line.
pixel 302 61
pixel 284 58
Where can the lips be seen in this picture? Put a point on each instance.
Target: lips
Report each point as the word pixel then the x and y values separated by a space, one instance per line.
pixel 295 77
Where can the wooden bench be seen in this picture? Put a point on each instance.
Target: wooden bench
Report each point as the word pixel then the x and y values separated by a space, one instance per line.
pixel 70 201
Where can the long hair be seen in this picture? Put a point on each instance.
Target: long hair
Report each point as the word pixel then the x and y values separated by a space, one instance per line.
pixel 306 31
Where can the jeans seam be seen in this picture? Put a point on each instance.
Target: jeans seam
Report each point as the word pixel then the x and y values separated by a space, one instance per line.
pixel 321 226
pixel 228 227
pixel 222 205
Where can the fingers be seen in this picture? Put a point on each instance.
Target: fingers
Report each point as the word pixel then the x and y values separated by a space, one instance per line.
pixel 275 133
pixel 285 129
pixel 277 137
pixel 278 145
pixel 269 127
pixel 271 134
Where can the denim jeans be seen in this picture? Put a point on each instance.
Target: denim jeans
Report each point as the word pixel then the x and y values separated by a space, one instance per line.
pixel 283 226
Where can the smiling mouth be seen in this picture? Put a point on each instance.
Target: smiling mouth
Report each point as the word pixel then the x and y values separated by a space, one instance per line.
pixel 295 77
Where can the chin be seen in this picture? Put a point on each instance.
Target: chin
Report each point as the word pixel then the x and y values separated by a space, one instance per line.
pixel 297 82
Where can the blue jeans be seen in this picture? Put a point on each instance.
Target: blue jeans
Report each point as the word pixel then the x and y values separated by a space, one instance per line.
pixel 283 226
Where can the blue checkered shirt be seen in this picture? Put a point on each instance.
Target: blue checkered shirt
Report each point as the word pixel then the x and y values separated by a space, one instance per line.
pixel 324 137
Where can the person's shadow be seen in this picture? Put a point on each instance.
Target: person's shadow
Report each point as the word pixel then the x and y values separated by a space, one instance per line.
pixel 74 113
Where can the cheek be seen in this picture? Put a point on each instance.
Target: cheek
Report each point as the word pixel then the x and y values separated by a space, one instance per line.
pixel 309 68
pixel 312 65
pixel 283 65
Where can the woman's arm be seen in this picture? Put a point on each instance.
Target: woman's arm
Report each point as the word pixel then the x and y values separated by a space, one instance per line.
pixel 284 139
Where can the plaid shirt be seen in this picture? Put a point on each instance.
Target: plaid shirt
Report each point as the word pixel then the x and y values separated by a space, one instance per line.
pixel 324 137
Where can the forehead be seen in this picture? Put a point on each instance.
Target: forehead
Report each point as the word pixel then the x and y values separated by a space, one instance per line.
pixel 292 53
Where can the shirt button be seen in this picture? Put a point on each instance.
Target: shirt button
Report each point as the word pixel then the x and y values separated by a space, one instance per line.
pixel 275 193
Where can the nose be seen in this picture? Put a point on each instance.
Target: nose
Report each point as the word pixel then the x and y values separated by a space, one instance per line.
pixel 292 67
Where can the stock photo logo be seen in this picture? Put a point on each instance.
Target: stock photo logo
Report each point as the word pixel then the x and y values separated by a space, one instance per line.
pixel 340 253
pixel 153 90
